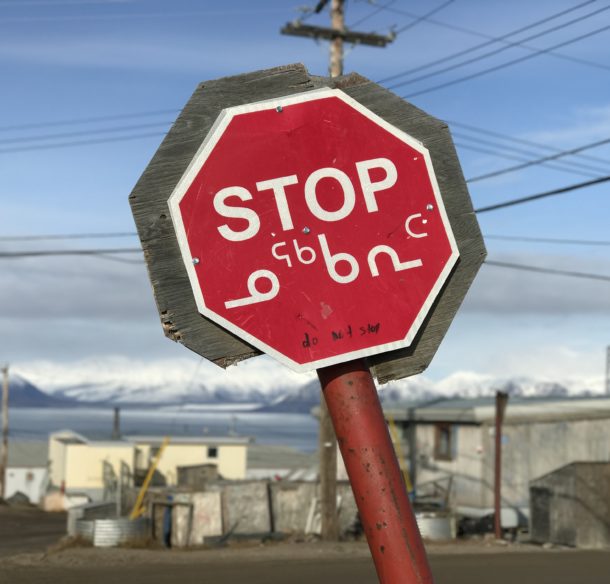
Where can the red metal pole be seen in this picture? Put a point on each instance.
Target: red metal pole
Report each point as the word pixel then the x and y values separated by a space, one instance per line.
pixel 370 460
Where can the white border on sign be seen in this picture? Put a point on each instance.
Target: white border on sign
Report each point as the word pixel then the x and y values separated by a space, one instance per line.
pixel 214 135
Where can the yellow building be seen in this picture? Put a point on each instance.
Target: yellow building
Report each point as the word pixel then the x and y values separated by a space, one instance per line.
pixel 76 464
pixel 228 454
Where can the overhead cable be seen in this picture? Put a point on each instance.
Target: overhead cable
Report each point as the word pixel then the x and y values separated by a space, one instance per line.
pixel 508 63
pixel 583 275
pixel 537 161
pixel 553 240
pixel 372 13
pixel 88 120
pixel 68 236
pixel 492 41
pixel 423 17
pixel 120 234
pixel 492 152
pixel 68 252
pixel 61 135
pixel 552 193
pixel 499 50
pixel 479 34
pixel 542 146
pixel 107 254
pixel 80 143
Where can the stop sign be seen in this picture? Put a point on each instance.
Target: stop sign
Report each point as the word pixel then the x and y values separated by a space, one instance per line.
pixel 313 229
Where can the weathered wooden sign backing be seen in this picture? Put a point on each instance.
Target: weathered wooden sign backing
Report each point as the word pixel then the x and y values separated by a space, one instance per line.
pixel 180 317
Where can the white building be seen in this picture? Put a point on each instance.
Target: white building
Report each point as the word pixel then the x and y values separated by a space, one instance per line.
pixel 448 446
pixel 26 471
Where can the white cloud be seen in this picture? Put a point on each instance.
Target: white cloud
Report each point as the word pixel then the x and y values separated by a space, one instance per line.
pixel 75 288
pixel 165 53
pixel 502 290
pixel 577 127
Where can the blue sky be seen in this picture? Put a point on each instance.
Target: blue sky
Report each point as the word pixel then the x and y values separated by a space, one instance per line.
pixel 76 60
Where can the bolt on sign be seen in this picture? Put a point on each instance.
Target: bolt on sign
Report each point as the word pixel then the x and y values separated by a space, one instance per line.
pixel 316 220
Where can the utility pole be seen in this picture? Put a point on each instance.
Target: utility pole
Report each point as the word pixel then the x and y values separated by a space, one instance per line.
pixel 327 442
pixel 116 424
pixel 501 401
pixel 337 34
pixel 412 439
pixel 337 22
pixel 608 370
pixel 4 453
pixel 327 454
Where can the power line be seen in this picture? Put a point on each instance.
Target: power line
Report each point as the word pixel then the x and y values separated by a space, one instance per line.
pixel 118 259
pixel 493 40
pixel 107 254
pixel 509 63
pixel 54 3
pixel 81 133
pixel 479 34
pixel 423 17
pixel 89 120
pixel 554 192
pixel 540 145
pixel 137 15
pixel 494 207
pixel 120 234
pixel 500 49
pixel 584 275
pixel 492 152
pixel 593 242
pixel 68 236
pixel 68 252
pixel 79 143
pixel 542 160
pixel 373 13
pixel 530 153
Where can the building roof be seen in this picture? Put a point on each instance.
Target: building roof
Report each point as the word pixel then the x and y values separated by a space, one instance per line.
pixel 519 409
pixel 27 454
pixel 71 437
pixel 203 440
pixel 268 457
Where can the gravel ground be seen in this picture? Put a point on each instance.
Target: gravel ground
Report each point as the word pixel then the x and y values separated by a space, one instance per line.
pixel 273 563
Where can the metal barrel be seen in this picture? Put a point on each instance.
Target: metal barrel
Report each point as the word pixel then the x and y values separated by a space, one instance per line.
pixel 436 526
pixel 112 532
pixel 84 528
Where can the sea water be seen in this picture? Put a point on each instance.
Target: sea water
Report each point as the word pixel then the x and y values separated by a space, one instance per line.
pixel 295 430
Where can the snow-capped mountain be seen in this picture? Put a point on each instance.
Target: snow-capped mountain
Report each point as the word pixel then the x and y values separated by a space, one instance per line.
pixel 120 380
pixel 23 394
pixel 469 385
pixel 258 381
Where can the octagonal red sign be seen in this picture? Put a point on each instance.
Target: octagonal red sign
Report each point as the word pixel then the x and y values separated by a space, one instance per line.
pixel 313 229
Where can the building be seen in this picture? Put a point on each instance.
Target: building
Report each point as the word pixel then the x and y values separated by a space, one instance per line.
pixel 229 454
pixel 571 506
pixel 272 462
pixel 26 470
pixel 76 464
pixel 448 446
pixel 80 465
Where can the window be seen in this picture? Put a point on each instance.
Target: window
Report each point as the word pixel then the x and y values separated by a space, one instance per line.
pixel 152 453
pixel 212 452
pixel 444 442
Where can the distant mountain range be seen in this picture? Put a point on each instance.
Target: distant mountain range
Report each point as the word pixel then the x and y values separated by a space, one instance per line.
pixel 257 384
pixel 23 394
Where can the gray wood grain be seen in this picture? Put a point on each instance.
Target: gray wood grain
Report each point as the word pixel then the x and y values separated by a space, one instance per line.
pixel 435 136
pixel 179 316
